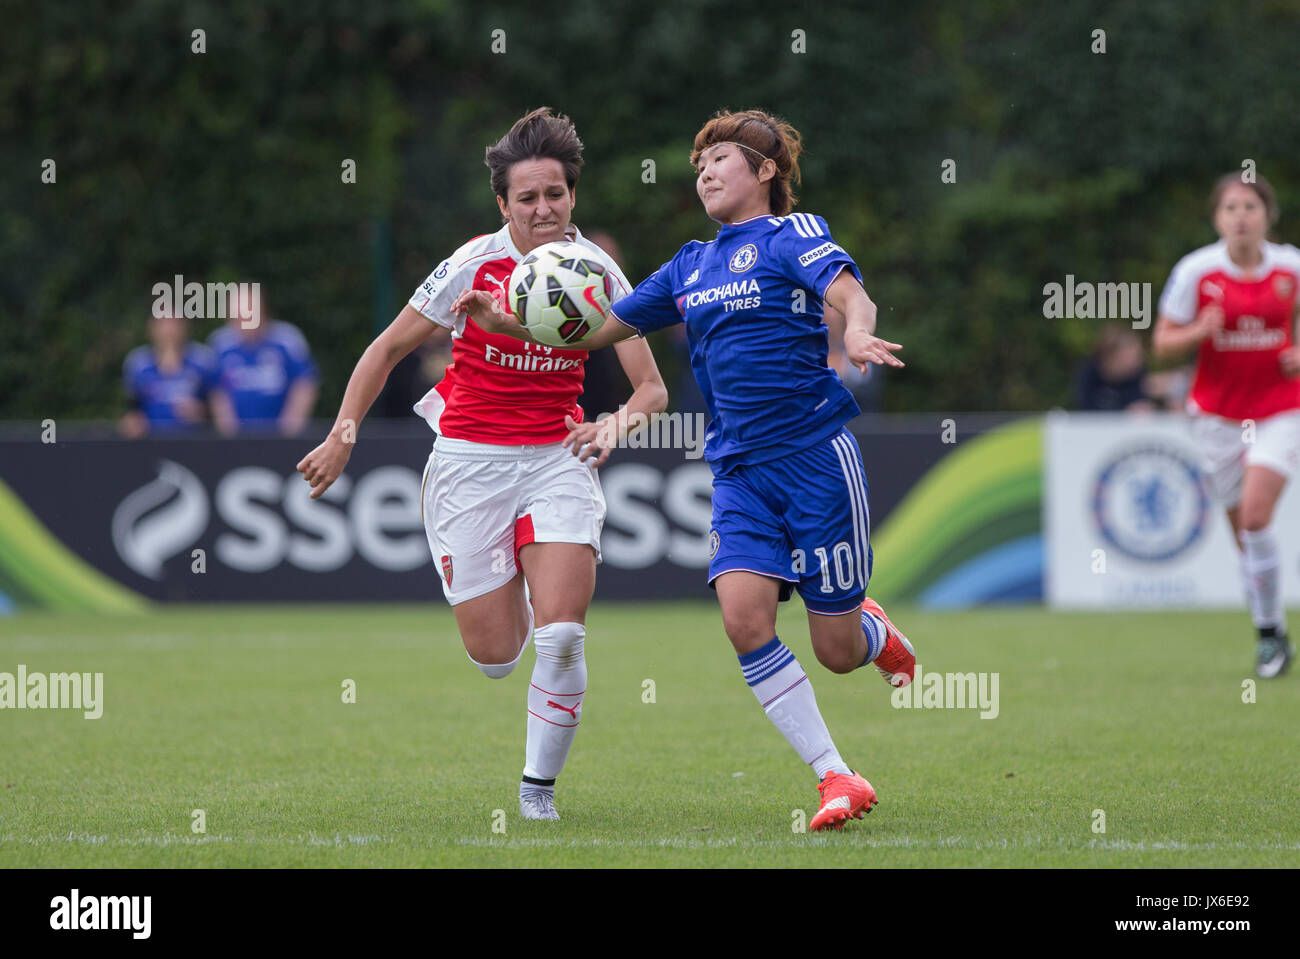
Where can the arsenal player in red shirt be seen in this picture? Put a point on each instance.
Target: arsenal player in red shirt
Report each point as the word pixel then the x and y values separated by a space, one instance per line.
pixel 503 492
pixel 1235 303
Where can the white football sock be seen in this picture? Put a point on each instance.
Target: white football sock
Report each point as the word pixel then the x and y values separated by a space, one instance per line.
pixel 1261 563
pixel 1248 587
pixel 554 698
pixel 786 695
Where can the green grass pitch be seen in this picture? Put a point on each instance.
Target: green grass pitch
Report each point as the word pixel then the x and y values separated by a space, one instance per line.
pixel 238 711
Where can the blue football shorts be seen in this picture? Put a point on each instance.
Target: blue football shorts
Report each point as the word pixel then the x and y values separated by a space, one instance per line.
pixel 802 519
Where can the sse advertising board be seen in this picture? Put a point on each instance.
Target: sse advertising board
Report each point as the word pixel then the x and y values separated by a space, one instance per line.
pixel 149 515
pixel 212 520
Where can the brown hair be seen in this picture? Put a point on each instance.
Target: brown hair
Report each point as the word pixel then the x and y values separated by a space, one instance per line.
pixel 1261 187
pixel 537 135
pixel 765 134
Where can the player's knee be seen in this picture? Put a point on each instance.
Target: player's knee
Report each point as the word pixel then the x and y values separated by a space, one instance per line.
pixel 570 614
pixel 838 660
pixel 496 670
pixel 495 664
pixel 748 635
pixel 1255 517
pixel 561 605
pixel 562 642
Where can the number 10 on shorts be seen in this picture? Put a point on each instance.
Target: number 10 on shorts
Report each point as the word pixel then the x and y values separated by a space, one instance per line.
pixel 840 557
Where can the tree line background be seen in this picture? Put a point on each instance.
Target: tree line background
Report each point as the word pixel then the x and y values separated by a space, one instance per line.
pixel 226 165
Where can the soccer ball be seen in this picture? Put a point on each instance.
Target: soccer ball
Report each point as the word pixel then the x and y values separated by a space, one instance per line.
pixel 561 293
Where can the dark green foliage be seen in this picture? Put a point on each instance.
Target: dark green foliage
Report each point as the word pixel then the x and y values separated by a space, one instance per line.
pixel 227 165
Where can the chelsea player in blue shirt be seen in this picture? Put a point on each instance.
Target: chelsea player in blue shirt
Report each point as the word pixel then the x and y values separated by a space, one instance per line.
pixel 790 506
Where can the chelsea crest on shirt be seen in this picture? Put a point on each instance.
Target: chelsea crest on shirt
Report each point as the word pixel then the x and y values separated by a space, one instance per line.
pixel 744 258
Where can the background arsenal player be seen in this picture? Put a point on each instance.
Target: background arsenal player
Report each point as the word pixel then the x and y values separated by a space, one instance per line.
pixel 1235 303
pixel 502 490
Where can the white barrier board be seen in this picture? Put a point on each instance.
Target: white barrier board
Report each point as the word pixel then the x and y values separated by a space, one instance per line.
pixel 1128 519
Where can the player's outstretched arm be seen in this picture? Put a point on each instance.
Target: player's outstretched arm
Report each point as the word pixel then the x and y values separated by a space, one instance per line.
pixel 323 465
pixel 613 331
pixel 485 310
pixel 861 345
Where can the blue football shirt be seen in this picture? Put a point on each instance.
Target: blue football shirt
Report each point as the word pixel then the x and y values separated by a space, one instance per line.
pixel 752 304
pixel 157 392
pixel 257 374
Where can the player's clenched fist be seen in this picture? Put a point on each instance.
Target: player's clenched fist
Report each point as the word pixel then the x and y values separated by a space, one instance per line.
pixel 323 465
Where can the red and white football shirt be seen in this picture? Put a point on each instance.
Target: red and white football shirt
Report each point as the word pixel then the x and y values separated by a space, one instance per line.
pixel 499 389
pixel 1238 375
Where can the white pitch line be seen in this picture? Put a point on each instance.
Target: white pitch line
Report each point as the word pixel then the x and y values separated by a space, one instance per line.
pixel 152 642
pixel 898 842
pixel 901 842
pixel 87 839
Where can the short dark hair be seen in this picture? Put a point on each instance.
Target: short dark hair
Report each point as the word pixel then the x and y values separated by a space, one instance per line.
pixel 537 135
pixel 1263 189
pixel 766 135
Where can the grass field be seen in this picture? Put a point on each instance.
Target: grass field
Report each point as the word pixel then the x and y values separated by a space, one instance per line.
pixel 239 712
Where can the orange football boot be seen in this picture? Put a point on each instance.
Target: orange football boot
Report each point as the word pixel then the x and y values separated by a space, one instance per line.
pixel 897 661
pixel 843 796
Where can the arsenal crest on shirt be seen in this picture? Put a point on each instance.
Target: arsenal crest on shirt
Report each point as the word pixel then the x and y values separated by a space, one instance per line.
pixel 446 569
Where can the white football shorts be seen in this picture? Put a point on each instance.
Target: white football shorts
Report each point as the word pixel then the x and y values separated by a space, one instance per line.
pixel 1228 446
pixel 482 502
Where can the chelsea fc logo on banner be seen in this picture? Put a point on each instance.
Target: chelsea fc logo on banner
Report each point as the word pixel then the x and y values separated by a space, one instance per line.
pixel 744 258
pixel 1150 503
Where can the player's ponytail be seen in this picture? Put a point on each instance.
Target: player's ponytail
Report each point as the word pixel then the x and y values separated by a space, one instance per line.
pixel 766 137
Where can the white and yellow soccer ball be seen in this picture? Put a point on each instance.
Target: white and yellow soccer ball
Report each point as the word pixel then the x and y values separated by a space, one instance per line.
pixel 561 293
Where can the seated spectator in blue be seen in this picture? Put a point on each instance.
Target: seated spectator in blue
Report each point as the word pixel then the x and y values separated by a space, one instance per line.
pixel 167 381
pixel 1115 376
pixel 266 378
